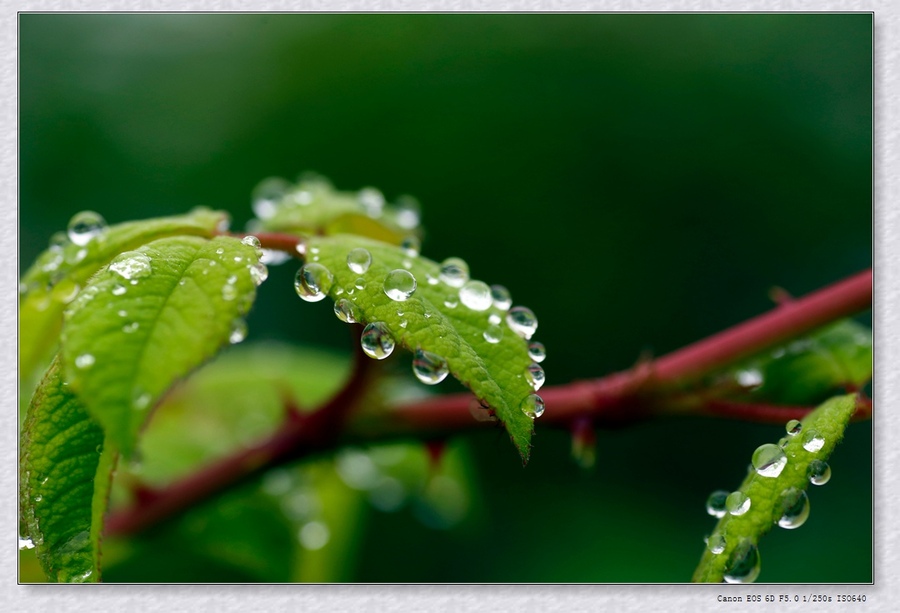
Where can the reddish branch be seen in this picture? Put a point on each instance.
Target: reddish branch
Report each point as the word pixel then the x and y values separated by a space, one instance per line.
pixel 623 397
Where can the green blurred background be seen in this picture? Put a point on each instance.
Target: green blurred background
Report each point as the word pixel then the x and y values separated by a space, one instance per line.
pixel 639 181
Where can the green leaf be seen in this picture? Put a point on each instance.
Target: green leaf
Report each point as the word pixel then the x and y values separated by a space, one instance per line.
pixel 60 271
pixel 149 318
pixel 769 496
pixel 313 206
pixel 436 320
pixel 64 481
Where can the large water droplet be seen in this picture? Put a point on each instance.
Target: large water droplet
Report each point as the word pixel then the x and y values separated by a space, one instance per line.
pixel 476 295
pixel 743 565
pixel 229 292
pixel 819 472
pixel 793 427
pixel 408 212
pixel 532 406
pixel 501 297
pixel 131 265
pixel 737 503
pixel 411 246
pixel 536 376
pixel 769 460
pixel 252 241
pixel 313 282
pixel 493 334
pixel 454 272
pixel 399 284
pixel 377 341
pixel 238 331
pixel 346 311
pixel 812 440
pixel 536 351
pixel 795 508
pixel 372 201
pixel 359 260
pixel 429 368
pixel 716 544
pixel 85 227
pixel 258 273
pixel 715 504
pixel 85 360
pixel 522 321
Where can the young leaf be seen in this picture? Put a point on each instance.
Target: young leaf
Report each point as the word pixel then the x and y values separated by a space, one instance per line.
pixel 149 318
pixel 776 491
pixel 59 272
pixel 64 480
pixel 451 327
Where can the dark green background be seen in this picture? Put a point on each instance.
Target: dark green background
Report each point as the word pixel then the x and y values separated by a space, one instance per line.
pixel 639 181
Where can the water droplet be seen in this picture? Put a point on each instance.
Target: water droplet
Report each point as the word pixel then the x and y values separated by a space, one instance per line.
pixel 85 360
pixel 85 227
pixel 359 260
pixel 795 508
pixel 238 259
pixel 313 282
pixel 476 295
pixel 372 201
pixel 454 272
pixel 408 212
pixel 715 504
pixel 522 321
pixel 737 503
pixel 258 273
pixel 77 257
pixel 360 283
pixel 399 284
pixel 432 280
pixel 819 472
pixel 813 441
pixel 411 245
pixel 716 544
pixel 252 241
pixel 403 324
pixel 536 376
pixel 376 340
pixel 140 401
pixel 123 313
pixel 266 196
pixel 65 291
pixel 131 265
pixel 494 319
pixel 58 240
pixel 769 460
pixel 429 368
pixel 743 565
pixel 132 327
pixel 220 251
pixel 451 302
pixel 536 351
pixel 346 311
pixel 25 543
pixel 38 498
pixel 501 297
pixel 793 427
pixel 493 334
pixel 238 331
pixel 532 406
pixel 229 292
pixel 314 535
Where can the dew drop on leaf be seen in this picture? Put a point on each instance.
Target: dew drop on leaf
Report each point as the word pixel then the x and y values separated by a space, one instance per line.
pixel 501 297
pixel 229 292
pixel 493 334
pixel 716 544
pixel 359 260
pixel 454 272
pixel 372 201
pixel 769 460
pixel 411 245
pixel 258 273
pixel 399 285
pixel 715 504
pixel 532 406
pixel 85 227
pixel 743 565
pixel 737 503
pixel 313 281
pixel 476 295
pixel 522 321
pixel 131 265
pixel 429 368
pixel 818 472
pixel 408 212
pixel 238 331
pixel 536 351
pixel 795 508
pixel 85 360
pixel 536 376
pixel 360 283
pixel 812 440
pixel 252 241
pixel 377 341
pixel 793 427
pixel 346 311
pixel 266 196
